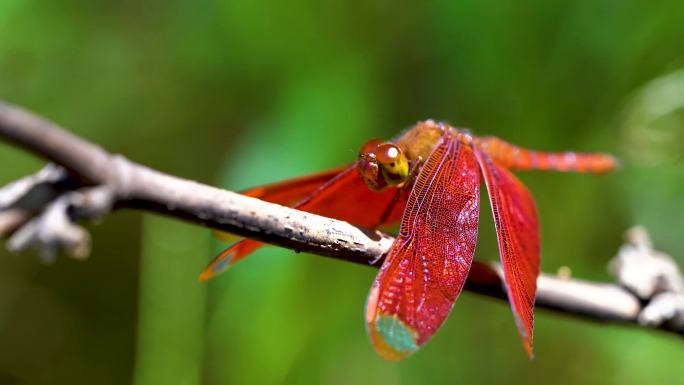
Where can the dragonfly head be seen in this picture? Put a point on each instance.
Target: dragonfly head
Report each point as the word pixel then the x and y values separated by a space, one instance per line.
pixel 382 164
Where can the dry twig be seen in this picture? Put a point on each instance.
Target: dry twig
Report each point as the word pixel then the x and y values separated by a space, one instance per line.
pixel 95 182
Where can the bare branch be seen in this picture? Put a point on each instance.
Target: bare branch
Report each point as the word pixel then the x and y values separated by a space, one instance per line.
pixel 122 183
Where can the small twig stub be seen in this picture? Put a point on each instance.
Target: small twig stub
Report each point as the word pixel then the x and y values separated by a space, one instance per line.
pixel 653 276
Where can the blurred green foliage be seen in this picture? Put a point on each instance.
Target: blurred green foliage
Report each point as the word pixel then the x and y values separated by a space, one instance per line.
pixel 239 93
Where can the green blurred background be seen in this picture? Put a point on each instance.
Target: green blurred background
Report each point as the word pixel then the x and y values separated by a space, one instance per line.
pixel 237 93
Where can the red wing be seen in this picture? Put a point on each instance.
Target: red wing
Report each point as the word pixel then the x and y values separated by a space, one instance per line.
pixel 428 262
pixel 291 191
pixel 517 229
pixel 345 196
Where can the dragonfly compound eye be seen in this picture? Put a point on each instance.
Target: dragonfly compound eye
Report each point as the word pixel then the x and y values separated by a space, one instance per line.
pixel 393 163
pixel 368 166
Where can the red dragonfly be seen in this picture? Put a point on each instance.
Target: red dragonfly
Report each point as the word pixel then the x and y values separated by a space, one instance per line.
pixel 429 179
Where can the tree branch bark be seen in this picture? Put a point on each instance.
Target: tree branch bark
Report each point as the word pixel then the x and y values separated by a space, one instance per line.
pixel 121 183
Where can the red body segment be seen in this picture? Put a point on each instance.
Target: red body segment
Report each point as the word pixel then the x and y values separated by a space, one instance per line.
pixel 518 158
